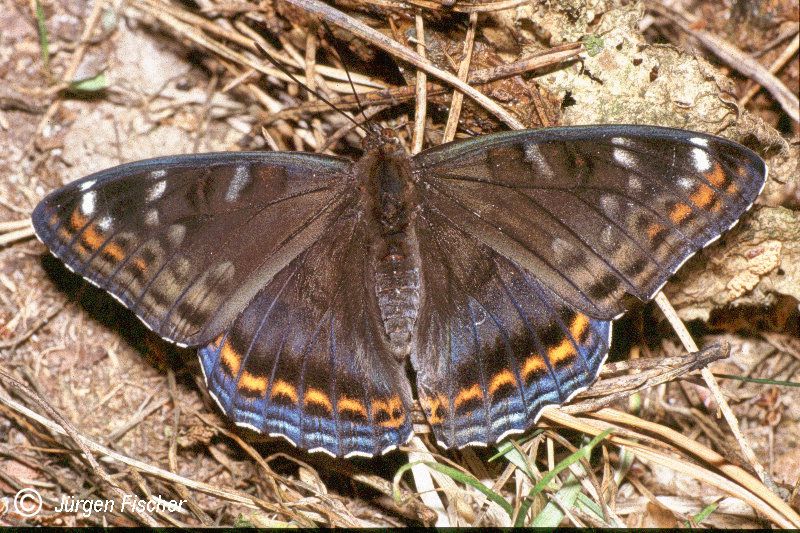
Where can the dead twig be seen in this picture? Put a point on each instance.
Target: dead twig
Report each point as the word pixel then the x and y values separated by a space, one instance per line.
pixel 70 430
pixel 394 48
pixel 396 95
pixel 608 391
pixel 711 382
pixel 788 53
pixel 420 91
pixel 463 73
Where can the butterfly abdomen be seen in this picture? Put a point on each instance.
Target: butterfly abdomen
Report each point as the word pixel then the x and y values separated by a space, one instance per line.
pixel 397 290
pixel 389 209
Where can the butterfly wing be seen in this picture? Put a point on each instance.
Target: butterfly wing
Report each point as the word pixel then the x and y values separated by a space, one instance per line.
pixel 495 344
pixel 305 360
pixel 532 242
pixel 596 213
pixel 186 242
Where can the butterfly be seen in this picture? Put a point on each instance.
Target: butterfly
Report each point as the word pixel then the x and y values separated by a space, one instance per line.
pixel 493 267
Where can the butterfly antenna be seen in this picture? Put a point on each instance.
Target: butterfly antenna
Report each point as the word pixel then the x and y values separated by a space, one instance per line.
pixel 283 69
pixel 346 71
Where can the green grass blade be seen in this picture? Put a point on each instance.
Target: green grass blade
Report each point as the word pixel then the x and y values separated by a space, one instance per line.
pixel 88 85
pixel 44 40
pixel 583 452
pixel 456 475
pixel 552 515
pixel 765 381
pixel 704 513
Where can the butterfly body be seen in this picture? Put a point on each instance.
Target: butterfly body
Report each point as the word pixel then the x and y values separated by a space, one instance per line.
pixel 495 266
pixel 387 201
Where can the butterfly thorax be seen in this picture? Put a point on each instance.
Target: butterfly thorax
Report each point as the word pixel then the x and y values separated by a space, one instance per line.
pixel 388 194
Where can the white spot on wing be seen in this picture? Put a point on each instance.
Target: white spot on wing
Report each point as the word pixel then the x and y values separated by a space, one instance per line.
pixel 561 248
pixel 609 237
pixel 623 157
pixel 158 174
pixel 621 141
pixel 357 453
pixel 88 202
pixel 241 177
pixel 699 141
pixel 609 204
pixel 151 218
pixel 105 223
pixel 508 433
pixel 701 161
pixel 87 185
pixel 534 156
pixel 176 234
pixel 293 443
pixel 248 426
pixel 156 190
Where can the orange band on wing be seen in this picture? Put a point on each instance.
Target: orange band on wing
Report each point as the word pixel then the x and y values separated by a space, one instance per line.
pixel 318 397
pixel 433 406
pixel 653 230
pixel 534 363
pixel 703 196
pixel 501 379
pixel 253 383
pixel 393 408
pixel 579 325
pixel 679 213
pixel 564 350
pixel 230 358
pixel 468 393
pixel 716 176
pixel 283 388
pixel 345 403
pixel 91 238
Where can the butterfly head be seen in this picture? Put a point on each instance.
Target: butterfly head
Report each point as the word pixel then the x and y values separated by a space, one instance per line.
pixel 383 140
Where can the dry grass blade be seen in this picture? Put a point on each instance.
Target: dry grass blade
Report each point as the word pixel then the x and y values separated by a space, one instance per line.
pixel 749 488
pixel 788 53
pixel 395 95
pixel 221 94
pixel 15 231
pixel 711 382
pixel 423 478
pixel 463 74
pixel 420 91
pixel 89 444
pixel 459 6
pixel 645 375
pixel 376 38
pixel 76 437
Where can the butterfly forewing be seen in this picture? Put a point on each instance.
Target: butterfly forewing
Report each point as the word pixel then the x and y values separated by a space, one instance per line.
pixel 186 242
pixel 596 213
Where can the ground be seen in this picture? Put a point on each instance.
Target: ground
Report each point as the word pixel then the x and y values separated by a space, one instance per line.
pixel 88 85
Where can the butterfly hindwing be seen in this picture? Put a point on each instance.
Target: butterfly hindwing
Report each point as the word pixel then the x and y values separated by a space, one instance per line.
pixel 495 344
pixel 186 242
pixel 305 359
pixel 598 214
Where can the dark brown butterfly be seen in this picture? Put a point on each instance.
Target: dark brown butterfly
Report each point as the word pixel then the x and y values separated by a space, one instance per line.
pixel 494 265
